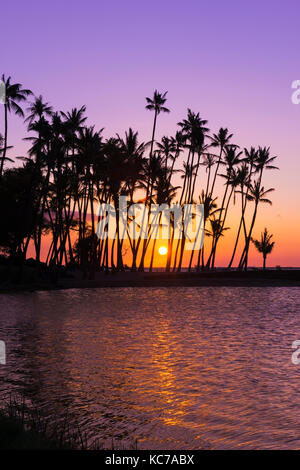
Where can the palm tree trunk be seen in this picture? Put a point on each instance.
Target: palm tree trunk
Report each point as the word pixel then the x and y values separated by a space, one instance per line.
pixel 246 250
pixel 153 134
pixel 216 172
pixel 208 181
pixel 5 140
pixel 154 243
pixel 215 239
pixel 239 230
pixel 221 229
pixel 141 266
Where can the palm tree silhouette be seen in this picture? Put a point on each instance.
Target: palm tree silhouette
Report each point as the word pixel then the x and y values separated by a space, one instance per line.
pixel 38 109
pixel 244 178
pixel 221 140
pixel 156 104
pixel 210 210
pixel 262 160
pixel 164 194
pixel 73 122
pixel 232 158
pixel 15 94
pixel 264 245
pixel 258 195
pixel 135 162
pixel 195 131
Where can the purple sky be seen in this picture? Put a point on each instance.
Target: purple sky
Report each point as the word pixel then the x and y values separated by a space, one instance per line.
pixel 232 61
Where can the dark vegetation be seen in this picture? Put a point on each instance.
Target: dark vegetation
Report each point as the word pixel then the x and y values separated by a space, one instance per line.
pixel 23 427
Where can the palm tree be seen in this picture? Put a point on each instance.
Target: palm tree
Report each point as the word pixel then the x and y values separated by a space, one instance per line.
pixel 116 172
pixel 194 130
pixel 73 121
pixel 264 245
pixel 210 209
pixel 38 109
pixel 258 195
pixel 208 161
pixel 220 140
pixel 250 160
pixel 135 163
pixel 134 155
pixel 234 177
pixel 187 173
pixel 179 142
pixel 89 147
pixel 156 104
pixel 244 178
pixel 2 147
pixel 165 193
pixel 14 94
pixel 152 172
pixel 232 158
pixel 262 161
pixel 217 228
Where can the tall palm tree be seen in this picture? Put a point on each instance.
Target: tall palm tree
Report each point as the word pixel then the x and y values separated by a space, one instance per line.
pixel 263 161
pixel 244 179
pixel 14 94
pixel 187 173
pixel 134 155
pixel 250 159
pixel 195 131
pixel 116 171
pixel 232 158
pixel 152 172
pixel 219 140
pixel 165 193
pixel 179 142
pixel 257 194
pixel 135 162
pixel 156 104
pixel 234 178
pixel 210 210
pixel 264 245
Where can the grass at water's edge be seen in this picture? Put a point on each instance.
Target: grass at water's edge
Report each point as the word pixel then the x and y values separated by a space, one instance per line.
pixel 13 436
pixel 23 428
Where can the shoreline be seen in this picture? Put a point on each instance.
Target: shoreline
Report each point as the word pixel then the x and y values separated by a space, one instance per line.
pixel 271 278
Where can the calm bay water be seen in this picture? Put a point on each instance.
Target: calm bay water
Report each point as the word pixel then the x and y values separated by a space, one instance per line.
pixel 180 368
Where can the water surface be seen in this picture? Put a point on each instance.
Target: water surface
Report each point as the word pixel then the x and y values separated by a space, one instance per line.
pixel 181 368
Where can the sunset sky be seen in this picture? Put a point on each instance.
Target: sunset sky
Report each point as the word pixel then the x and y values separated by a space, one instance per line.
pixel 232 61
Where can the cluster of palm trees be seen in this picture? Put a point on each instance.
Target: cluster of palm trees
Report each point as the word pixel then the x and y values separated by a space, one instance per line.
pixel 70 168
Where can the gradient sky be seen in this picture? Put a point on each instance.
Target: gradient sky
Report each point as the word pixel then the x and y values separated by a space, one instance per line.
pixel 232 61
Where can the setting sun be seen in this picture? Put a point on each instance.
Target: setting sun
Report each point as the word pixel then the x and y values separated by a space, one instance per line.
pixel 163 250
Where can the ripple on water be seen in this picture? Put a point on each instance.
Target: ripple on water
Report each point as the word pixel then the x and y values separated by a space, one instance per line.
pixel 173 367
